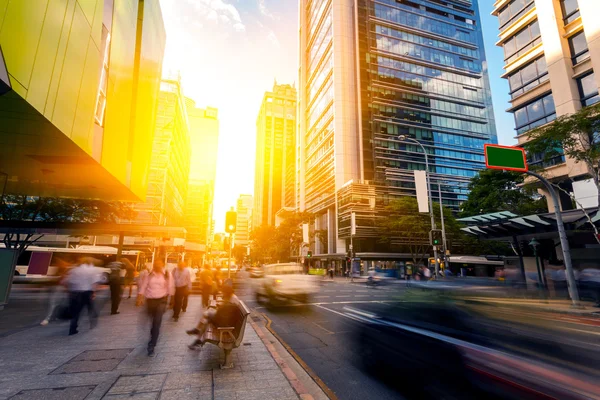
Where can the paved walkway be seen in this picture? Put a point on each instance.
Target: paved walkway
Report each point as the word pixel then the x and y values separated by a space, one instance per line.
pixel 110 362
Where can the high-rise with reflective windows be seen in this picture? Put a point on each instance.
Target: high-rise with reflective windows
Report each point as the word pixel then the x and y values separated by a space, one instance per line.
pixel 275 172
pixel 551 51
pixel 371 70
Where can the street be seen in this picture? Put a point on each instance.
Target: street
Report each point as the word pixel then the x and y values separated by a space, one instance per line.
pixel 319 334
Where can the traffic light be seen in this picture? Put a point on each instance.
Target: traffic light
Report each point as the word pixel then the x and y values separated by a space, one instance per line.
pixel 309 254
pixel 435 237
pixel 230 221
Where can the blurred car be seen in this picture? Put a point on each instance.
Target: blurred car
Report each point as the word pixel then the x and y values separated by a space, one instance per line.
pixel 286 282
pixel 256 272
pixel 435 349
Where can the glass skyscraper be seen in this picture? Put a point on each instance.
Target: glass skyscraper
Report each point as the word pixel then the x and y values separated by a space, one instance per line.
pixel 372 70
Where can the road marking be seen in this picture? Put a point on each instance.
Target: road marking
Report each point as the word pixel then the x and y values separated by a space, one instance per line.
pixel 322 297
pixel 335 302
pixel 361 295
pixel 345 295
pixel 326 330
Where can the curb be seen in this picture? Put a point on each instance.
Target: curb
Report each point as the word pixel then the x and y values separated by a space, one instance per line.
pixel 595 315
pixel 289 374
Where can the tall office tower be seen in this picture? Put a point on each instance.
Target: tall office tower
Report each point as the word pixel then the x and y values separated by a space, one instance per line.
pixel 371 71
pixel 244 220
pixel 170 165
pixel 275 173
pixel 204 139
pixel 551 50
pixel 78 87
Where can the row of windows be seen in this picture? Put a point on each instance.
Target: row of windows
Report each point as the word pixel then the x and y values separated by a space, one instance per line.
pixel 416 8
pixel 579 48
pixel 314 12
pixel 429 72
pixel 413 166
pixel 430 85
pixel 522 41
pixel 513 10
pixel 570 9
pixel 534 114
pixel 395 145
pixel 423 23
pixel 588 89
pixel 425 53
pixel 414 154
pixel 316 83
pixel 423 101
pixel 410 37
pixel 427 118
pixel 528 77
pixel 320 44
pixel 446 139
pixel 320 105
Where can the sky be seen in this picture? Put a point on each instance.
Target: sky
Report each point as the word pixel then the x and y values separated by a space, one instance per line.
pixel 229 52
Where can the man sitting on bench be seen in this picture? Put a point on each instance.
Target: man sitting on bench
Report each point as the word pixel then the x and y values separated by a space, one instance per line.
pixel 209 315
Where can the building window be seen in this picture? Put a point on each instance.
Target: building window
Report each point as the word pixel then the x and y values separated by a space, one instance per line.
pixel 588 89
pixel 537 113
pixel 545 160
pixel 102 87
pixel 514 10
pixel 579 48
pixel 523 41
pixel 528 77
pixel 570 10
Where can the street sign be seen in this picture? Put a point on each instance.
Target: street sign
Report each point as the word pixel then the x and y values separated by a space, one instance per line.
pixel 506 158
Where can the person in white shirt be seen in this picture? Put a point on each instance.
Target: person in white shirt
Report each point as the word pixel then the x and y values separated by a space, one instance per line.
pixel 155 288
pixel 183 285
pixel 81 282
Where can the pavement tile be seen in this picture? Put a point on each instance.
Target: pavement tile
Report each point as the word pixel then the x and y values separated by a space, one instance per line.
pixel 186 394
pixel 91 355
pixel 136 396
pixel 67 393
pixel 138 384
pixel 87 366
pixel 179 380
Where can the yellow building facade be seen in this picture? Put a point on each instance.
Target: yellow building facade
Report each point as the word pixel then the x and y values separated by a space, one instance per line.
pixel 204 140
pixel 552 53
pixel 80 99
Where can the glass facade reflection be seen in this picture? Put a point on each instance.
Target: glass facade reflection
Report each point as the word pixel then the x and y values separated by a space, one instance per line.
pixel 423 74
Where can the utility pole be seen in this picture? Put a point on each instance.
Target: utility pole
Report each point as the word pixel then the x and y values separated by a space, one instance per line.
pixel 445 243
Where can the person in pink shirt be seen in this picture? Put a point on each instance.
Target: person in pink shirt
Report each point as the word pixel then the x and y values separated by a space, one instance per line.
pixel 155 288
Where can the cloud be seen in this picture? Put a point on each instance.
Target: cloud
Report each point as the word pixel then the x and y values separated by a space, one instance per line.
pixel 262 7
pixel 219 11
pixel 272 37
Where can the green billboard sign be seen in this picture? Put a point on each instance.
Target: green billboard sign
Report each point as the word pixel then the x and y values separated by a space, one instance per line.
pixel 505 158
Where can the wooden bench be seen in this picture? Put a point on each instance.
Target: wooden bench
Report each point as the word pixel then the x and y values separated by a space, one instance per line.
pixel 227 329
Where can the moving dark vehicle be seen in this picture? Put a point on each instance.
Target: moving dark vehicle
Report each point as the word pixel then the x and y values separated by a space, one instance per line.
pixel 428 349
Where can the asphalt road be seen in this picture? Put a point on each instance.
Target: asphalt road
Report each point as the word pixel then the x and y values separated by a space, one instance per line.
pixel 320 335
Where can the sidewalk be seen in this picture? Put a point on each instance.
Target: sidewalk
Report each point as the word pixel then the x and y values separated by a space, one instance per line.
pixel 110 362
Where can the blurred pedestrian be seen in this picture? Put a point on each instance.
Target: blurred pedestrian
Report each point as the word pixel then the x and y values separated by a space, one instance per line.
pixel 426 273
pixel 589 279
pixel 114 282
pixel 330 271
pixel 129 275
pixel 81 282
pixel 183 285
pixel 57 292
pixel 206 283
pixel 208 316
pixel 155 288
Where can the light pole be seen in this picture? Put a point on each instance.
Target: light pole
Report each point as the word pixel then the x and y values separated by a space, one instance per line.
pixel 534 244
pixel 404 138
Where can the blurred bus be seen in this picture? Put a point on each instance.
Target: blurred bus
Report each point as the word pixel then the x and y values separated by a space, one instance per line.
pixel 41 263
pixel 474 265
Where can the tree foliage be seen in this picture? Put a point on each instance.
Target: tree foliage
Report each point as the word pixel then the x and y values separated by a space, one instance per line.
pixel 278 244
pixel 404 223
pixel 576 135
pixel 493 190
pixel 53 209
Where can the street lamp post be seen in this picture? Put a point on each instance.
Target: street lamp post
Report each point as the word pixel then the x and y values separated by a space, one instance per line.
pixel 404 138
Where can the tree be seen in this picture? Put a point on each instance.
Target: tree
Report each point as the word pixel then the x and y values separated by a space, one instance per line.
pixel 239 253
pixel 53 209
pixel 404 223
pixel 272 244
pixel 577 136
pixel 493 190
